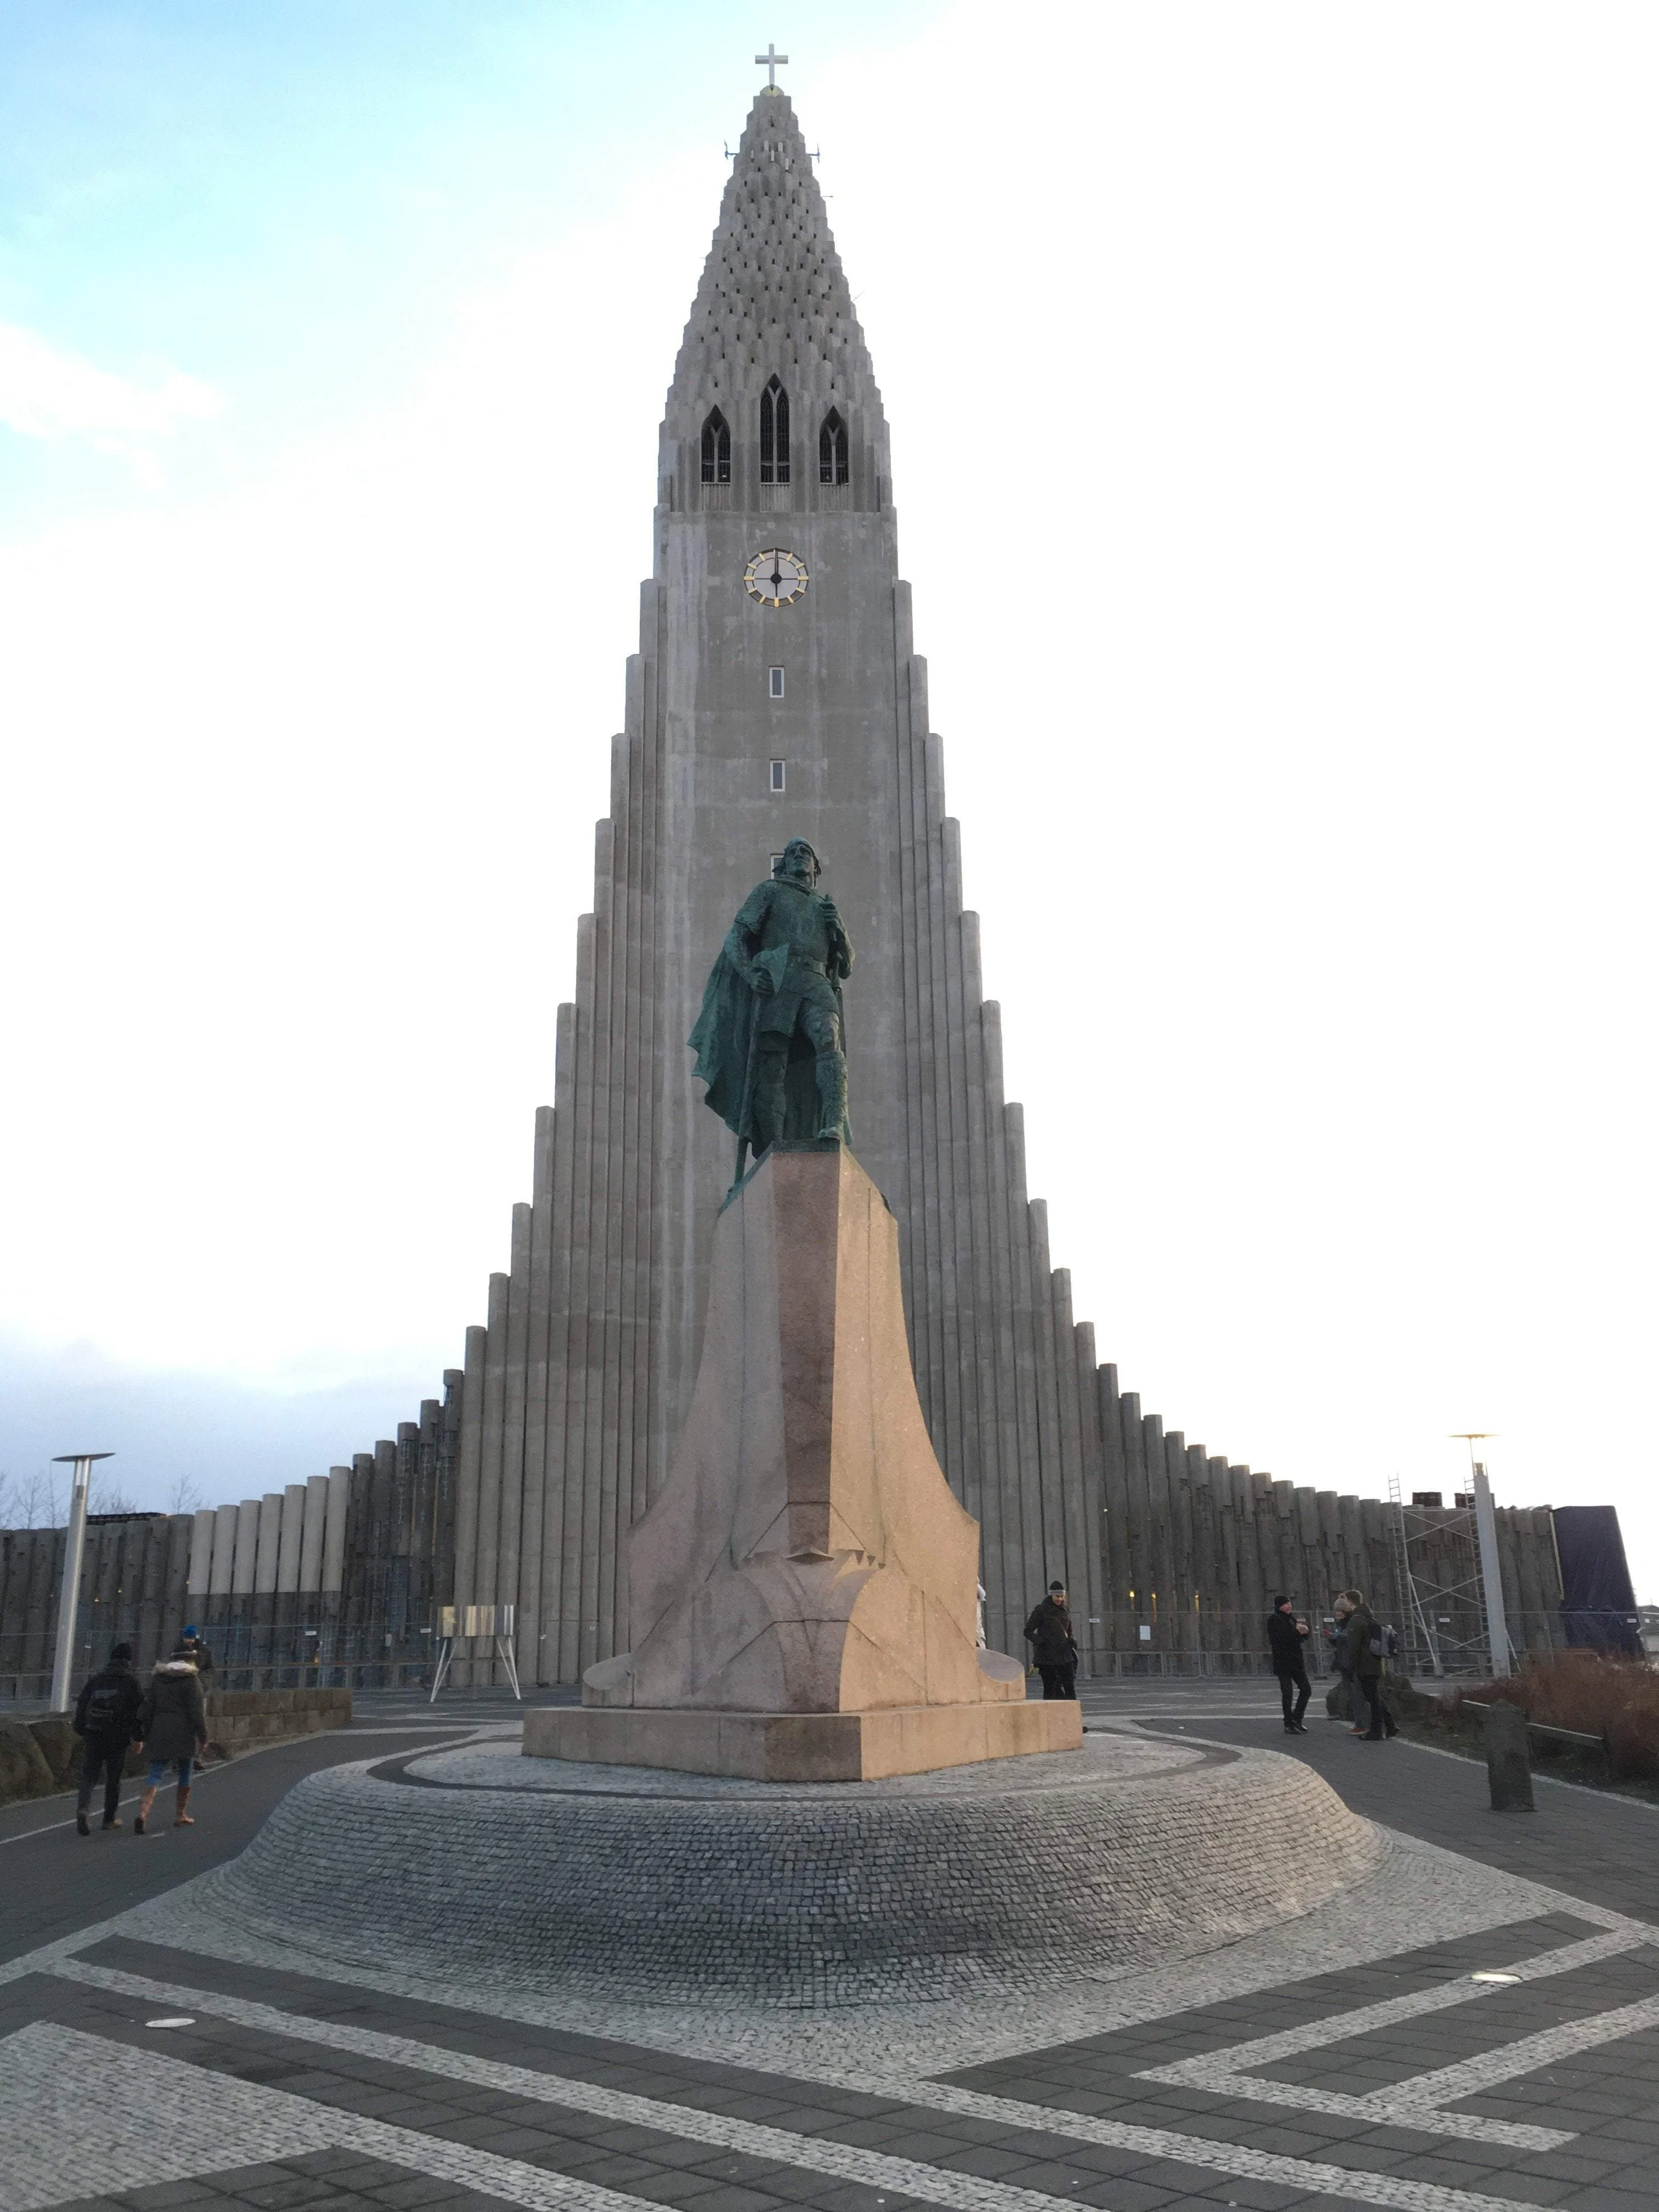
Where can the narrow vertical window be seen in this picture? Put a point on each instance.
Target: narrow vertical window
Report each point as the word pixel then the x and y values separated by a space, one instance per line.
pixel 716 449
pixel 777 776
pixel 832 450
pixel 774 683
pixel 775 435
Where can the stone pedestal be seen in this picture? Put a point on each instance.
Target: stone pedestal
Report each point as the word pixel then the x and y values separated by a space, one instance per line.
pixel 803 1593
pixel 803 1746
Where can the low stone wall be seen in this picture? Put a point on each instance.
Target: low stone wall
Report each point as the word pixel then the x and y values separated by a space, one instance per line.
pixel 237 1719
pixel 41 1757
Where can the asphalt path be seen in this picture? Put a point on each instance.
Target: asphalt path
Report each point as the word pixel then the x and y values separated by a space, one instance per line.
pixel 53 1882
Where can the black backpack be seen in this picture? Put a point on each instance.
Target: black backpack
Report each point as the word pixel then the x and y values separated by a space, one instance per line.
pixel 108 1710
pixel 1385 1642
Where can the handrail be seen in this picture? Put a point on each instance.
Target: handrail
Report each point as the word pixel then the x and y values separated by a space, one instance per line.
pixel 1542 1728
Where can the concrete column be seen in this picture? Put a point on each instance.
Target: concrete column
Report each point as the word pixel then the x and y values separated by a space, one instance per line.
pixel 490 1480
pixel 578 1571
pixel 224 1550
pixel 1160 1564
pixel 468 1466
pixel 1137 1521
pixel 553 1644
pixel 1120 1630
pixel 290 1533
pixel 1208 1634
pixel 533 1506
pixel 270 1537
pixel 200 1580
pixel 1183 1581
pixel 247 1547
pixel 310 1540
pixel 336 1510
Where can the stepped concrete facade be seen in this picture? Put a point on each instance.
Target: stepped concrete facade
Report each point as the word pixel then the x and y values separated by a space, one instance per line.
pixel 777 692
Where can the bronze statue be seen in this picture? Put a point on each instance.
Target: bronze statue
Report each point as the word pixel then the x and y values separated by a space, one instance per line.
pixel 770 1041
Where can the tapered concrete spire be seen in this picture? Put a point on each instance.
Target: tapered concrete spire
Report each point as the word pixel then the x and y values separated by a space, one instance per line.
pixel 774 302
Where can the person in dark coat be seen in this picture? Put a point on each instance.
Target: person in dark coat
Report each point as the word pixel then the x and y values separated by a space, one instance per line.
pixel 1048 1631
pixel 1360 1631
pixel 1287 1635
pixel 107 1720
pixel 173 1721
pixel 199 1653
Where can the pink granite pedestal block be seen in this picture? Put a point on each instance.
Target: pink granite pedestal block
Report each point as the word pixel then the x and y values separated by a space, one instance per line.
pixel 802 1591
pixel 802 1747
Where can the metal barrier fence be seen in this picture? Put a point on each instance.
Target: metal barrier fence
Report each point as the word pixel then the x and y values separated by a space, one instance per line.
pixel 389 1653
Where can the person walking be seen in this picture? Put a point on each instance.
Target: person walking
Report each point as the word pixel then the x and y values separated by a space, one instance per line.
pixel 198 1652
pixel 1048 1631
pixel 1287 1635
pixel 1363 1639
pixel 173 1722
pixel 107 1720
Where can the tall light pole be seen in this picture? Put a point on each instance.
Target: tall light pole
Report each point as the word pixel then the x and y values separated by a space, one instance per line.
pixel 70 1598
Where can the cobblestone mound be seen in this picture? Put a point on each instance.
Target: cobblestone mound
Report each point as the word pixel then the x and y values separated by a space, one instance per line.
pixel 671 1889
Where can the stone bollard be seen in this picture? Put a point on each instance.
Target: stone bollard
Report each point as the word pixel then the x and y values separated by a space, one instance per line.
pixel 1508 1765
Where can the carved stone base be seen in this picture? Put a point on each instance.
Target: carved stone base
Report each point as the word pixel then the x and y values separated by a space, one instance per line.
pixel 802 1747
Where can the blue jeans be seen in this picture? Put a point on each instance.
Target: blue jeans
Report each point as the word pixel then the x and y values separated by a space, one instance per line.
pixel 158 1771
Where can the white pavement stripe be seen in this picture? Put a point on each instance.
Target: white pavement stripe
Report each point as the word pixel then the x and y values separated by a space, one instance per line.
pixel 1469 2077
pixel 1417 2103
pixel 874 2169
pixel 90 2107
pixel 1441 1996
pixel 1384 2110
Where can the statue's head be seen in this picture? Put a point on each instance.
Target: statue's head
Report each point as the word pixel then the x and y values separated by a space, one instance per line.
pixel 798 861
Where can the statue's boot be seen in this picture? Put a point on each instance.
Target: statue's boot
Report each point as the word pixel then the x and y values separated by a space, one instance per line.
pixel 832 1096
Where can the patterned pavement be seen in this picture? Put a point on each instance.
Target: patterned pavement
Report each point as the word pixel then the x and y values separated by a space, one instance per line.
pixel 1476 2027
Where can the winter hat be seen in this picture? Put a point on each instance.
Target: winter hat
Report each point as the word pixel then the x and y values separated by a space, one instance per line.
pixel 121 1656
pixel 1278 1602
pixel 190 1630
pixel 1056 1586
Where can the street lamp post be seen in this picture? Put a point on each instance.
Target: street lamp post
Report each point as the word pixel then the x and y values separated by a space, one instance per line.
pixel 70 1598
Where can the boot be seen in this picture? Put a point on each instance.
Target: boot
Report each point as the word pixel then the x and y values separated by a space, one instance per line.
pixel 111 1820
pixel 832 1096
pixel 145 1804
pixel 81 1826
pixel 180 1799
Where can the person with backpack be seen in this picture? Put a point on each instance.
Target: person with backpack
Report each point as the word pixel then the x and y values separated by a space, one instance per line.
pixel 1367 1640
pixel 172 1720
pixel 106 1721
pixel 1287 1635
pixel 1048 1631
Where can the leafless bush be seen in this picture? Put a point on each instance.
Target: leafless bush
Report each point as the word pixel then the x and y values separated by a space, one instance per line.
pixel 1616 1699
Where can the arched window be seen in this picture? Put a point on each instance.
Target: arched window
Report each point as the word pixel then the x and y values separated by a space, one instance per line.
pixel 832 450
pixel 716 449
pixel 774 434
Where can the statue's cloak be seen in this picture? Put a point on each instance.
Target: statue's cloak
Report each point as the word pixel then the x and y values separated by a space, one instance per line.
pixel 723 1038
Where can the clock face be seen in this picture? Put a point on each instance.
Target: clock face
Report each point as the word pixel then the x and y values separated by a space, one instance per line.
pixel 775 578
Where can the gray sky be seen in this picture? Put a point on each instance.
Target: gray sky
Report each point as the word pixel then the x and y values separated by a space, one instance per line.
pixel 1271 392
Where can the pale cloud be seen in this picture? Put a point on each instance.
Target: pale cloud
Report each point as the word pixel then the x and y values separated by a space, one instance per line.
pixel 48 392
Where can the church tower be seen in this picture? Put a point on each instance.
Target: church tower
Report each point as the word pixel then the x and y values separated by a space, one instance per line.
pixel 776 693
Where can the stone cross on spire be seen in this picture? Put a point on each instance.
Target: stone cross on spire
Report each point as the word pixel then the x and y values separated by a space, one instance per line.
pixel 769 61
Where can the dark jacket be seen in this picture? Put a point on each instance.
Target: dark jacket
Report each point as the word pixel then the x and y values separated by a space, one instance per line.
pixel 1049 1630
pixel 106 1711
pixel 1357 1658
pixel 204 1658
pixel 1285 1641
pixel 173 1719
